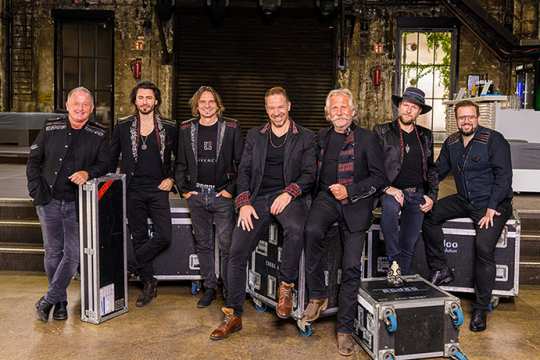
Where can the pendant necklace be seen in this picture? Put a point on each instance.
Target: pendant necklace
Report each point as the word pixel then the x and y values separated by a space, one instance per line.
pixel 143 139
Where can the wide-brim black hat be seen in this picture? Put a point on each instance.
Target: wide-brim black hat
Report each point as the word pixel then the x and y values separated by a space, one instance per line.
pixel 414 95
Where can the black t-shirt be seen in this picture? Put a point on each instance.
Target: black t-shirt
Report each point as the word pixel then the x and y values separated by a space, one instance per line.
pixel 63 188
pixel 411 169
pixel 206 154
pixel 273 169
pixel 148 174
pixel 331 157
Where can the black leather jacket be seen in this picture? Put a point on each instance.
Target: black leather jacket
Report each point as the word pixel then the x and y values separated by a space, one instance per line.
pixel 229 153
pixel 390 141
pixel 51 147
pixel 299 165
pixel 125 141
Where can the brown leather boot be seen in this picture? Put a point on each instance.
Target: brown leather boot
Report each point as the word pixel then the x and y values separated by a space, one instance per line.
pixel 230 324
pixel 285 301
pixel 345 344
pixel 314 309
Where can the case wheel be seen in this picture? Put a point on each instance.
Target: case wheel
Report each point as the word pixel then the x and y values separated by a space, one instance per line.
pixel 389 356
pixel 259 306
pixel 390 320
pixel 307 331
pixel 457 315
pixel 458 355
pixel 195 287
pixel 494 302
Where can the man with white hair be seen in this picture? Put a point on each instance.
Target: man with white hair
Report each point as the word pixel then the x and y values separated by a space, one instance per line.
pixel 349 174
pixel 67 152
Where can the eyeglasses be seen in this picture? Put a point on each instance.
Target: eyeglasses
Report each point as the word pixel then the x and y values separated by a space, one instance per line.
pixel 467 117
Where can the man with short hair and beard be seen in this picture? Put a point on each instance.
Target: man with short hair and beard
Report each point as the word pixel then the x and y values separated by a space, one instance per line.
pixel 209 152
pixel 479 159
pixel 409 165
pixel 350 172
pixel 276 173
pixel 67 152
pixel 147 143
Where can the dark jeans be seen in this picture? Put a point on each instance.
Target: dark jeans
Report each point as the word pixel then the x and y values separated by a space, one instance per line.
pixel 207 210
pixel 455 206
pixel 60 229
pixel 325 211
pixel 400 240
pixel 292 219
pixel 142 205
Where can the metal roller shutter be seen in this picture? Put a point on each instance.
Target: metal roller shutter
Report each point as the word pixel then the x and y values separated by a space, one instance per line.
pixel 245 57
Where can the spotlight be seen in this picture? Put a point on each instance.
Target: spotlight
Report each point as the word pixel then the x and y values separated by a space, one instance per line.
pixel 269 7
pixel 327 7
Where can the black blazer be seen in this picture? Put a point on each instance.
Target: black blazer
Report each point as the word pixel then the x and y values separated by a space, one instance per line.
pixel 125 141
pixel 299 166
pixel 229 153
pixel 369 176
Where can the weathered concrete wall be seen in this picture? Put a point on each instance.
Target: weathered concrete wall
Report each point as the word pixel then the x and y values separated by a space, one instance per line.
pixel 375 103
pixel 129 15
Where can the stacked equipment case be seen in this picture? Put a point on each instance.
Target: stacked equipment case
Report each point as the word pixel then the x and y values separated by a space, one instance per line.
pixel 414 321
pixel 179 261
pixel 103 232
pixel 263 272
pixel 459 249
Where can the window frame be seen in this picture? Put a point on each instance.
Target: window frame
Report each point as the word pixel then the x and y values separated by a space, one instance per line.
pixel 422 24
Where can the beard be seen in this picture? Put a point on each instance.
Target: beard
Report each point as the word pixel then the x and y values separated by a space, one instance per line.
pixel 145 111
pixel 406 122
pixel 467 133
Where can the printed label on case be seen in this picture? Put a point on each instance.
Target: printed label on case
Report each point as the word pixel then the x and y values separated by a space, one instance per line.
pixel 106 299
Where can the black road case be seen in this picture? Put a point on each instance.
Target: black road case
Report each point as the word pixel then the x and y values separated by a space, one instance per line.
pixel 102 228
pixel 263 271
pixel 459 250
pixel 179 261
pixel 414 321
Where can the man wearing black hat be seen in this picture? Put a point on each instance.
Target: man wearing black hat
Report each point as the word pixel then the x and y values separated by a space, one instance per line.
pixel 408 161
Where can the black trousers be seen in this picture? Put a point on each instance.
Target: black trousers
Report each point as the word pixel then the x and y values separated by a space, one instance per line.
pixel 292 219
pixel 142 205
pixel 208 210
pixel 485 241
pixel 324 212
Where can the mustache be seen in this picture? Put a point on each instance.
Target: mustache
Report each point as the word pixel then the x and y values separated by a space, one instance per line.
pixel 342 117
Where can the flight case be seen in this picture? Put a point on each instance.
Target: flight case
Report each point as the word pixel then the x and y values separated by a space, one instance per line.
pixel 102 228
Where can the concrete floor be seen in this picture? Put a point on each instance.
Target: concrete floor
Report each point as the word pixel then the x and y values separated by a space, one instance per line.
pixel 173 328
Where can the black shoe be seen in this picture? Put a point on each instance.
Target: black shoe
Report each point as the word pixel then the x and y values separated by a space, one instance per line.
pixel 43 309
pixel 60 311
pixel 441 277
pixel 478 320
pixel 149 292
pixel 207 298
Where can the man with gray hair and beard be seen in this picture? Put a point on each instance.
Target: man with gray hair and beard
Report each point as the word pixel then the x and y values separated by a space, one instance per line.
pixel 349 174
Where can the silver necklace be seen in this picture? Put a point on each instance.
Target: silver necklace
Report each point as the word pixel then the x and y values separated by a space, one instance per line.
pixel 143 139
pixel 272 143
